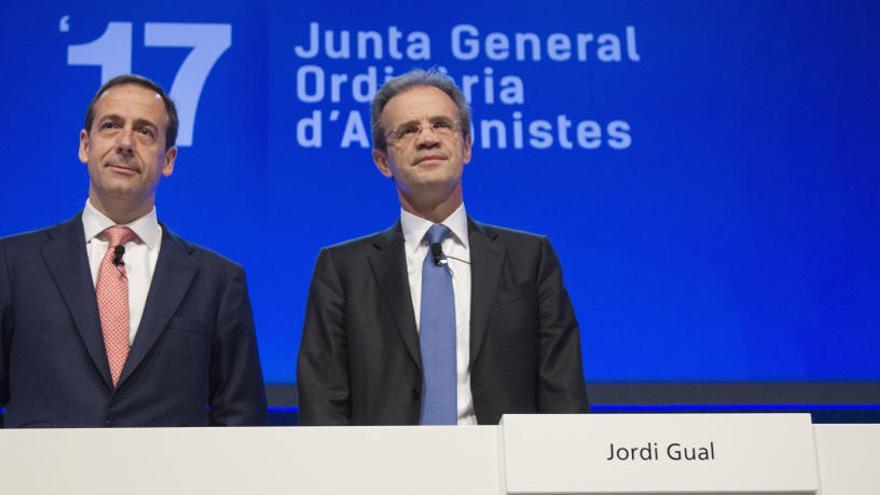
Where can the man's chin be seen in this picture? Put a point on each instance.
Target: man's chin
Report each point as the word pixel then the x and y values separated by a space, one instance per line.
pixel 432 175
pixel 431 188
pixel 429 184
pixel 117 189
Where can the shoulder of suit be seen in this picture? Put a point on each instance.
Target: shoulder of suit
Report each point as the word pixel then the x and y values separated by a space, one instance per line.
pixel 506 235
pixel 370 241
pixel 200 253
pixel 24 238
pixel 36 238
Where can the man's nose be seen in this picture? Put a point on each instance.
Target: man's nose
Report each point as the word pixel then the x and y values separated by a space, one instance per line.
pixel 125 140
pixel 427 137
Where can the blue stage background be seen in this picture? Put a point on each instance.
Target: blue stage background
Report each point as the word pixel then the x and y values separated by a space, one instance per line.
pixel 707 170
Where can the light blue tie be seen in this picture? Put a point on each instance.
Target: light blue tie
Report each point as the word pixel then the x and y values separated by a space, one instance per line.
pixel 437 337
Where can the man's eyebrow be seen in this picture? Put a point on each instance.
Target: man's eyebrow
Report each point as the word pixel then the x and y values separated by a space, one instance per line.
pixel 110 116
pixel 145 123
pixel 406 123
pixel 433 118
pixel 137 122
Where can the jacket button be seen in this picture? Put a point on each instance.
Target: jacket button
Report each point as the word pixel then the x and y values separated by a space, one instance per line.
pixel 416 394
pixel 108 422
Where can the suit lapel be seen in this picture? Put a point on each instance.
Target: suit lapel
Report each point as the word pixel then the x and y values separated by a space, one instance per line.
pixel 175 271
pixel 487 259
pixel 67 261
pixel 388 263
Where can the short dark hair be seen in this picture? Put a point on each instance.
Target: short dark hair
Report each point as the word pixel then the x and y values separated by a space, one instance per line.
pixel 170 108
pixel 411 79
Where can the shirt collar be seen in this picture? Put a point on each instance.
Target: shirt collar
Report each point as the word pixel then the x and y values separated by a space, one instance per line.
pixel 146 227
pixel 414 227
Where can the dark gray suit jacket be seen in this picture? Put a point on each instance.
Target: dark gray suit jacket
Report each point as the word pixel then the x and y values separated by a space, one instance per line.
pixel 194 359
pixel 359 360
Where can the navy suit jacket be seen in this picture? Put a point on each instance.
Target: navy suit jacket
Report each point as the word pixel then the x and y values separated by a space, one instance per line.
pixel 193 362
pixel 359 360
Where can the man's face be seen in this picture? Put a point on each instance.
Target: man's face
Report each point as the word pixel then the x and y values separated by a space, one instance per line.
pixel 428 163
pixel 125 148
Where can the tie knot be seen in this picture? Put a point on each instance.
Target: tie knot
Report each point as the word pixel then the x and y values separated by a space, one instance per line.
pixel 118 235
pixel 437 233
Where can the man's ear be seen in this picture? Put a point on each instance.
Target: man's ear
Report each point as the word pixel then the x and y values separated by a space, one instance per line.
pixel 84 146
pixel 381 161
pixel 168 166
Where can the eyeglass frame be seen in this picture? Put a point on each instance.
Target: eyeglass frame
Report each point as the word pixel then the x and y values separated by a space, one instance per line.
pixel 394 137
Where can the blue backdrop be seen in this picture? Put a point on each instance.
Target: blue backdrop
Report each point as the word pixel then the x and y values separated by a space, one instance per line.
pixel 707 170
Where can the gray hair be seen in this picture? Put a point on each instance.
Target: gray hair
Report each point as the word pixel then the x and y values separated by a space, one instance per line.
pixel 411 79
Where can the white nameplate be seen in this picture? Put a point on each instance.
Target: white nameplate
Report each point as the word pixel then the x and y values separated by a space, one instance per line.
pixel 659 453
pixel 848 458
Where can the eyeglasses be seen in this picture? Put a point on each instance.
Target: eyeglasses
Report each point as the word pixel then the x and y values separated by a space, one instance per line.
pixel 404 134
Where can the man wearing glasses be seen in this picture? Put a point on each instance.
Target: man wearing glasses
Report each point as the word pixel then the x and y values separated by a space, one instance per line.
pixel 439 319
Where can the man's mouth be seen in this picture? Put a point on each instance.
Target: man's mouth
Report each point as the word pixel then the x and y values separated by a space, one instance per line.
pixel 125 169
pixel 427 158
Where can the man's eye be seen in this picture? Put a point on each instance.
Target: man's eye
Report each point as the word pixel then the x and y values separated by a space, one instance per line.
pixel 408 130
pixel 442 124
pixel 146 131
pixel 108 125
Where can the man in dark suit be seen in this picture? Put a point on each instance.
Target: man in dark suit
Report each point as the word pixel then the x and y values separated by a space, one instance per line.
pixel 109 319
pixel 439 319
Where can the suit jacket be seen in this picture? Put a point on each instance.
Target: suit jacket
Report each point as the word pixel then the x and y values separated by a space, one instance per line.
pixel 359 360
pixel 193 362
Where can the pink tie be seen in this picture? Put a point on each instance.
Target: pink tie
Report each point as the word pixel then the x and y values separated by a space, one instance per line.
pixel 112 291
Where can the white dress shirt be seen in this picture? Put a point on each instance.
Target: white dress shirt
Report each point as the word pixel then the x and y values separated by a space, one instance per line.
pixel 454 246
pixel 140 257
